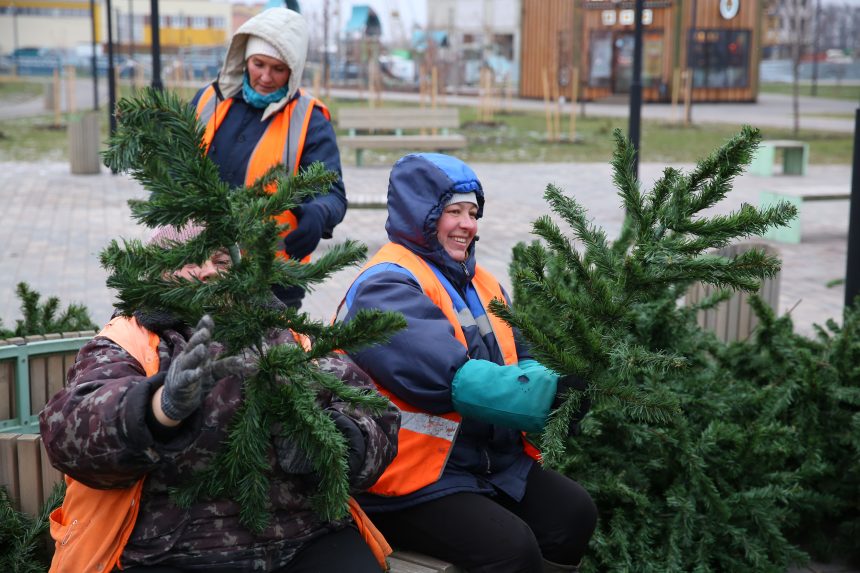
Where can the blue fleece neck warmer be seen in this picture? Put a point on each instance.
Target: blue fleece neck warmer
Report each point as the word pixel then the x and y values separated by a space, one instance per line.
pixel 258 100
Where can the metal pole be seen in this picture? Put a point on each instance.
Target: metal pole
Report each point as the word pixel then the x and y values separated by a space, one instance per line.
pixel 130 30
pixel 816 48
pixel 111 73
pixel 15 36
pixel 325 47
pixel 94 63
pixel 636 87
pixel 155 26
pixel 852 271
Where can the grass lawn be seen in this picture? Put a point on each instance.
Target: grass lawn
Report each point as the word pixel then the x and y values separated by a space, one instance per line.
pixel 850 92
pixel 511 137
pixel 521 137
pixel 14 91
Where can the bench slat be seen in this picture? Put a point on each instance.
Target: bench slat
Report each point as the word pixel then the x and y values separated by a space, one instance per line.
pixel 397 118
pixel 405 559
pixel 403 141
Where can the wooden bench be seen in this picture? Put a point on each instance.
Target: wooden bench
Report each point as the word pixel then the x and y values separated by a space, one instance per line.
pixel 384 128
pixel 795 157
pixel 410 562
pixel 733 319
pixel 797 197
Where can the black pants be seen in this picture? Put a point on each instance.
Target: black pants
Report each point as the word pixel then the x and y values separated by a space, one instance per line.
pixel 554 520
pixel 338 552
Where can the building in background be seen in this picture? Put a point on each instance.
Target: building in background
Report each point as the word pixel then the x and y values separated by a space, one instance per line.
pixel 47 25
pixel 66 24
pixel 467 36
pixel 716 41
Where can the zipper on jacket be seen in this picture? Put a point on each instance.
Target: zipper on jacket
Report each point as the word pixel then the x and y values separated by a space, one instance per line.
pixel 487 455
pixel 69 532
pixel 465 270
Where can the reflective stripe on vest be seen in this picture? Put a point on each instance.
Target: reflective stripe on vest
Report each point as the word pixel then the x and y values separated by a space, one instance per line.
pixel 283 142
pixel 425 440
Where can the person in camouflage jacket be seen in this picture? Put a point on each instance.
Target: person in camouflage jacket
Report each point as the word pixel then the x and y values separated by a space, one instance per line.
pixel 104 430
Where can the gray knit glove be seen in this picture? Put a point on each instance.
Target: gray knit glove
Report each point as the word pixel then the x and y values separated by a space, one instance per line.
pixel 193 373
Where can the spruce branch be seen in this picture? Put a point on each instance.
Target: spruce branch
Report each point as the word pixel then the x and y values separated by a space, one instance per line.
pixel 581 294
pixel 159 142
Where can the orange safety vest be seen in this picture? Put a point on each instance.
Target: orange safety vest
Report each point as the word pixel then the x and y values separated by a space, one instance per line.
pixel 92 526
pixel 282 143
pixel 425 440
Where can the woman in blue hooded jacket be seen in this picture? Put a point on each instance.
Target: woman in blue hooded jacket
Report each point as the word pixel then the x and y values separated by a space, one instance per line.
pixel 464 486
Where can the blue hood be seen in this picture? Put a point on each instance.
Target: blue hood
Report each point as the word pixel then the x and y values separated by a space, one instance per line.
pixel 419 186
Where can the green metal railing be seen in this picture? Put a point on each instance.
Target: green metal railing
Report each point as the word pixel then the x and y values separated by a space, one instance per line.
pixel 23 419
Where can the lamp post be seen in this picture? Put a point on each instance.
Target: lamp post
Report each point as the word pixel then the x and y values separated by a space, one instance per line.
pixel 816 47
pixel 111 72
pixel 15 36
pixel 155 24
pixel 635 120
pixel 94 64
pixel 130 30
pixel 852 271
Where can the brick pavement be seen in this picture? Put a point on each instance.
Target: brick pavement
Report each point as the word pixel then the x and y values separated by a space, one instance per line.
pixel 55 224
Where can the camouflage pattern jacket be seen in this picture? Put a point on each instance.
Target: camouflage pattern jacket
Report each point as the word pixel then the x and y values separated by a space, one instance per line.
pixel 99 430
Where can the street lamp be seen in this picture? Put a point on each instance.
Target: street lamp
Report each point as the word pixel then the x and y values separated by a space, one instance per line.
pixel 155 26
pixel 636 87
pixel 95 69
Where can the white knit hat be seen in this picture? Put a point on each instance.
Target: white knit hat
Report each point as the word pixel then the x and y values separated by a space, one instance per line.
pixel 258 46
pixel 469 197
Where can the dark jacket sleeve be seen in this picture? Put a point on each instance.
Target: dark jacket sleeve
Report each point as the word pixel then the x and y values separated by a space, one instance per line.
pixel 379 431
pixel 95 429
pixel 419 362
pixel 321 145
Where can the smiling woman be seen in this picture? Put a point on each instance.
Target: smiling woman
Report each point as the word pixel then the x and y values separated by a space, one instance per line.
pixel 464 486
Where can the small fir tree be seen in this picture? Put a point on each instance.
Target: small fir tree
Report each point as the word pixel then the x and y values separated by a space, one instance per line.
pixel 722 486
pixel 42 318
pixel 23 537
pixel 159 142
pixel 589 299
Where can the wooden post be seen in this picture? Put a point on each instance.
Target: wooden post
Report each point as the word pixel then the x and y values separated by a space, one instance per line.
pixel 434 88
pixel 509 94
pixel 58 95
pixel 139 81
pixel 71 98
pixel 688 97
pixel 547 106
pixel 317 82
pixel 676 87
pixel 574 95
pixel 556 98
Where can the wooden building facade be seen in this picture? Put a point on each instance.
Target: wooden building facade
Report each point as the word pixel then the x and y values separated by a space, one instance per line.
pixel 716 42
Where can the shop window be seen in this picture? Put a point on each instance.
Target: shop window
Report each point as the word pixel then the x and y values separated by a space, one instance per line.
pixel 600 59
pixel 652 60
pixel 719 58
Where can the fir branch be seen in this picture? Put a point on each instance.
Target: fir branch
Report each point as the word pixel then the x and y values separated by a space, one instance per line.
pixel 160 142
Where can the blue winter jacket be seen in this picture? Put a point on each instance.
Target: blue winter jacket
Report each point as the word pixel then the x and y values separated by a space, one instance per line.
pixel 239 133
pixel 419 363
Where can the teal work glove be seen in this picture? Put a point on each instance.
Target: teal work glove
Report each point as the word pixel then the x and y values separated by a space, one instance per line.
pixel 504 395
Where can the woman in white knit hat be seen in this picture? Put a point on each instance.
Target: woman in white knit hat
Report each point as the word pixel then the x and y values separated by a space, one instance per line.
pixel 256 116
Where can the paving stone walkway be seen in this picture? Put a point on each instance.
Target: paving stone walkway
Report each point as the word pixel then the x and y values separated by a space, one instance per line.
pixel 55 224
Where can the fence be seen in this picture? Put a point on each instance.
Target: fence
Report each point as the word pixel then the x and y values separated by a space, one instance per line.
pixel 32 369
pixel 734 319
